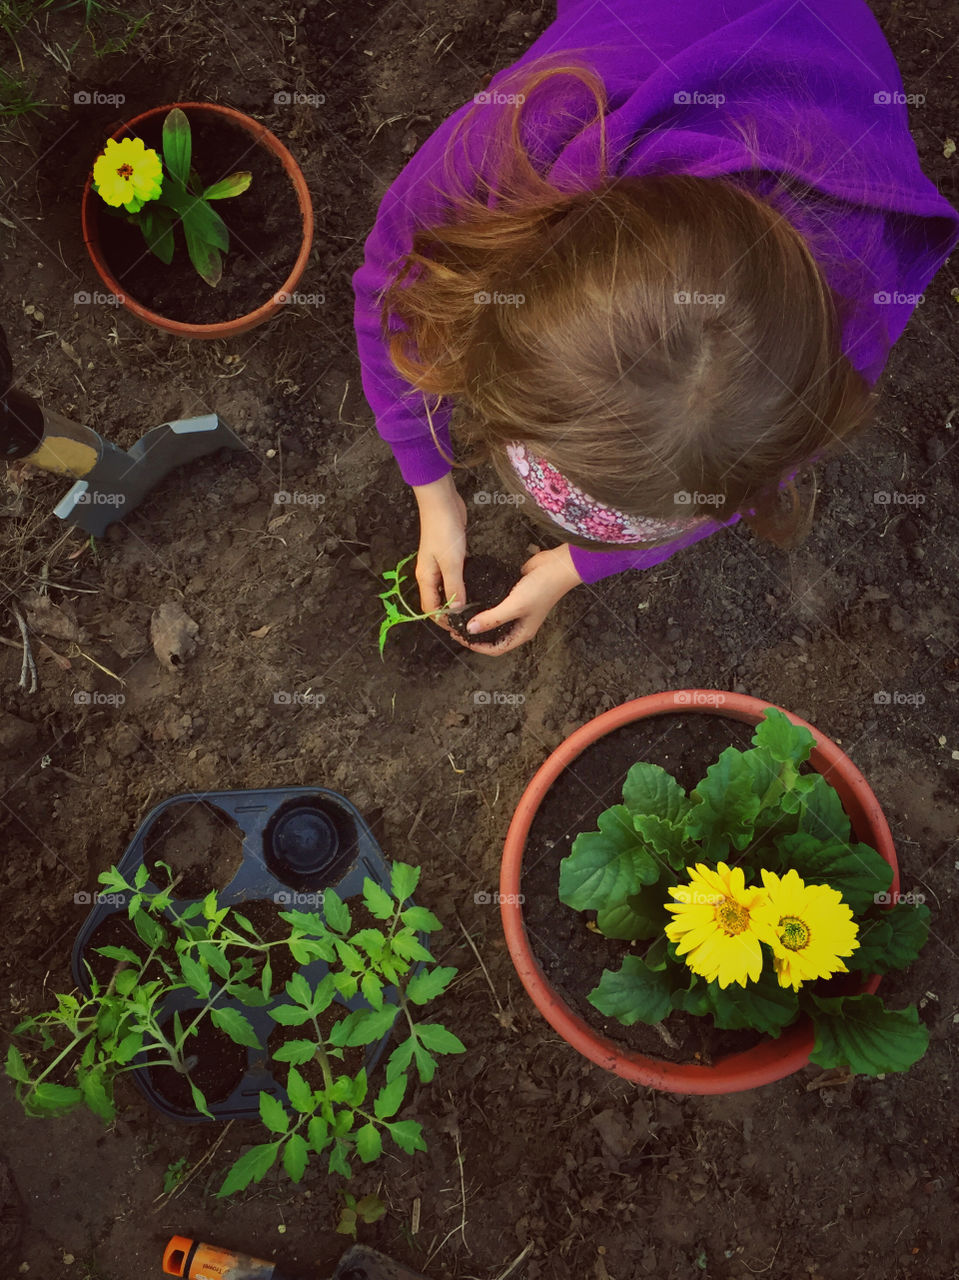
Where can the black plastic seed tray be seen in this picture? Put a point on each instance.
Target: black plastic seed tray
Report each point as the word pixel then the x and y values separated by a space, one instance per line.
pixel 297 843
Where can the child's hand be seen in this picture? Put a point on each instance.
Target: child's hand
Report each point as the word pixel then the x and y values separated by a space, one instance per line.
pixel 442 549
pixel 547 577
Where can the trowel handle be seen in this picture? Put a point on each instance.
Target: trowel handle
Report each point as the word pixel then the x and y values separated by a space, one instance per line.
pixel 194 1260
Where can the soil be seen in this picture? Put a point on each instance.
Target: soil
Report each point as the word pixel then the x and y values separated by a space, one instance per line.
pixel 264 225
pixel 201 845
pixel 572 954
pixel 220 1066
pixel 537 1152
pixel 488 582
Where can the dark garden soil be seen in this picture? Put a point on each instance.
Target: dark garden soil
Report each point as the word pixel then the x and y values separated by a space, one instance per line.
pixel 264 226
pixel 533 1152
pixel 488 582
pixel 218 1068
pixel 573 955
pixel 202 846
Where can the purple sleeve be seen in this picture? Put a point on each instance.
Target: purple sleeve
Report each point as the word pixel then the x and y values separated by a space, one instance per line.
pixel 593 566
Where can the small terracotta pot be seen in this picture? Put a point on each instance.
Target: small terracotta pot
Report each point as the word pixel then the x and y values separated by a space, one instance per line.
pixel 773 1058
pixel 225 328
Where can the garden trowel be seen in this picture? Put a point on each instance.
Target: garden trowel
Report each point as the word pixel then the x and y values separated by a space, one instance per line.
pixel 193 1260
pixel 110 483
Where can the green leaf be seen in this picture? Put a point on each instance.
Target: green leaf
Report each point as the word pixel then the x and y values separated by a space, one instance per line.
pixel 156 224
pixel 763 1005
pixel 425 1062
pixel 363 1027
pixel 266 979
pixel 199 1100
pixel 378 901
pixel 338 1162
pixel 372 941
pixel 296 1153
pixel 299 1092
pixel 272 1113
pixel 52 1099
pixel 651 791
pixel 420 919
pixel 236 1026
pixel 93 1086
pixel 408 946
pixel 177 146
pixel 195 976
pixel 400 1059
pixel 783 739
pixel 664 838
pixel 290 1015
pixel 436 1037
pixel 408 1135
pixel 252 1166
pixel 118 953
pixel 642 915
pixel 128 1048
pixel 404 877
pixel 299 990
pixel 372 989
pixel 634 993
pixel 16 1067
pixel 225 189
pixel 725 806
pixel 822 814
pixel 336 911
pixel 891 940
pixel 369 1144
pixel 207 261
pixel 429 983
pixel 298 1051
pixel 860 1033
pixel 141 876
pixel 211 954
pixel 318 1132
pixel 390 1098
pixel 857 871
pixel 252 997
pixel 607 865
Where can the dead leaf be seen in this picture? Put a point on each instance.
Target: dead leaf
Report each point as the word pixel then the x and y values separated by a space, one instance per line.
pixel 173 636
pixel 279 521
pixel 949 150
pixel 260 632
pixel 49 619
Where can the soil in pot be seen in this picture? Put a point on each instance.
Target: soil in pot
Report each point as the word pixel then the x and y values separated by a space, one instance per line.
pixel 117 931
pixel 264 916
pixel 572 954
pixel 221 1065
pixel 312 1071
pixel 488 582
pixel 201 844
pixel 264 223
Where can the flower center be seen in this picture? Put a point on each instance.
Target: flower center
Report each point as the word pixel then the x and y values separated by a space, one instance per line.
pixel 125 171
pixel 794 935
pixel 732 917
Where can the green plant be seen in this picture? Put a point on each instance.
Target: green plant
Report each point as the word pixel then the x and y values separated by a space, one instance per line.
pixel 16 99
pixel 369 1209
pixel 174 1174
pixel 157 197
pixel 749 955
pixel 395 605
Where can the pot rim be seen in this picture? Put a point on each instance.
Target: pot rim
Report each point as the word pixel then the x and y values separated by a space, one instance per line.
pixel 766 1062
pixel 239 324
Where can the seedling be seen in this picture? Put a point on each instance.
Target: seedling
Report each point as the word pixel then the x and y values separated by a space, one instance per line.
pixel 369 1210
pixel 157 196
pixel 396 606
pixel 747 946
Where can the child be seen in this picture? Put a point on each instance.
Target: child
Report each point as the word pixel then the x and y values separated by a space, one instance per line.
pixel 660 263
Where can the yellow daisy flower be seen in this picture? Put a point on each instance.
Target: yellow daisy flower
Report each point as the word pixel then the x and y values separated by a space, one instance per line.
pixel 813 928
pixel 719 923
pixel 128 174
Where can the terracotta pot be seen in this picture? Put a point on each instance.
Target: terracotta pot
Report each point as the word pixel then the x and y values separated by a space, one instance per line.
pixel 773 1058
pixel 225 328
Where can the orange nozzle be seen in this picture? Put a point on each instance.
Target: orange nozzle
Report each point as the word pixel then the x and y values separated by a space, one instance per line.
pixel 175 1256
pixel 194 1260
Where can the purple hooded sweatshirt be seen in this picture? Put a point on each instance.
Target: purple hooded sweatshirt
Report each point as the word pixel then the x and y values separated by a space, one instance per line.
pixel 816 90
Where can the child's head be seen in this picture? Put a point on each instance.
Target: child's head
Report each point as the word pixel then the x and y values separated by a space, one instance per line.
pixel 652 337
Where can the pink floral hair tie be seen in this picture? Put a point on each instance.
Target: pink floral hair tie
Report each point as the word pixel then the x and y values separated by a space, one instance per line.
pixel 578 513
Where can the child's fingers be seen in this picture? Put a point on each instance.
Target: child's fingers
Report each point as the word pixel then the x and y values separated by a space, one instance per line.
pixel 429 581
pixel 454 588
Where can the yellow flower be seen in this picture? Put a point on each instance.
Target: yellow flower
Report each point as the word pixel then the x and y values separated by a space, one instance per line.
pixel 719 924
pixel 128 174
pixel 813 928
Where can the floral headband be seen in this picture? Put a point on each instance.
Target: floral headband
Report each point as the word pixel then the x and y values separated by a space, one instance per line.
pixel 578 513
